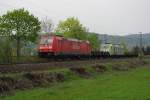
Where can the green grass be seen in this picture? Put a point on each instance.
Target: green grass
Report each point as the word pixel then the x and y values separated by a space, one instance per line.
pixel 131 85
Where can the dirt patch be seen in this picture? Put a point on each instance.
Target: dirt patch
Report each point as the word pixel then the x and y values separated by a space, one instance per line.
pixel 120 67
pixel 99 68
pixel 143 62
pixel 41 79
pixel 81 72
pixel 59 77
pixel 4 88
pixel 135 64
pixel 23 84
pixel 37 79
pixel 28 81
pixel 7 84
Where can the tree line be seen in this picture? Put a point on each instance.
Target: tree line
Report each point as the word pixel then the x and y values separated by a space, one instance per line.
pixel 145 50
pixel 19 26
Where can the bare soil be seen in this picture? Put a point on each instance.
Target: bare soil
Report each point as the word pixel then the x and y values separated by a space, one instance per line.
pixel 29 80
pixel 81 71
pixel 100 68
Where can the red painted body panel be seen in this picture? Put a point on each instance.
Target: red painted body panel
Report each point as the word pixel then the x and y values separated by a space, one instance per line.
pixel 60 45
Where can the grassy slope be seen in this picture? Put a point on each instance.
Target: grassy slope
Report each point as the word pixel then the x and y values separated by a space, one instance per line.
pixel 133 85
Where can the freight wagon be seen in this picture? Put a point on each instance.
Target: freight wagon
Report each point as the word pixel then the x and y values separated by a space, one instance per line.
pixel 112 49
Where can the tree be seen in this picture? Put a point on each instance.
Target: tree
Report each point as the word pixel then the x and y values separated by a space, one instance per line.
pixel 5 50
pixel 147 50
pixel 19 25
pixel 71 28
pixel 47 25
pixel 135 50
pixel 124 45
pixel 94 41
pixel 143 50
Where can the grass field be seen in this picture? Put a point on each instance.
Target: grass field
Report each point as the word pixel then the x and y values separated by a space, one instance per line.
pixel 131 85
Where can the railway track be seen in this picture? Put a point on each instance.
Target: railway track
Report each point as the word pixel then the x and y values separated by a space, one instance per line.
pixel 28 67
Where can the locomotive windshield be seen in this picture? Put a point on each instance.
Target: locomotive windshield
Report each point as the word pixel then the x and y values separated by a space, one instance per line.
pixel 46 41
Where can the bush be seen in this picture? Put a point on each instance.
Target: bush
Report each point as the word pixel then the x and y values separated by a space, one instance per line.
pixel 5 50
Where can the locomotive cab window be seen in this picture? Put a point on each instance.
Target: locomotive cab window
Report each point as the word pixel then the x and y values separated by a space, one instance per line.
pixel 49 41
pixel 46 41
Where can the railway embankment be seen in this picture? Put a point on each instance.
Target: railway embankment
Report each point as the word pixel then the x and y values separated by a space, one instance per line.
pixel 10 82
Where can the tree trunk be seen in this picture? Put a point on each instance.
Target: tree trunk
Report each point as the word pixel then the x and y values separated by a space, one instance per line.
pixel 18 49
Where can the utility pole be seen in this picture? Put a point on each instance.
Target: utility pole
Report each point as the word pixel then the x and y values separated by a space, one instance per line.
pixel 141 46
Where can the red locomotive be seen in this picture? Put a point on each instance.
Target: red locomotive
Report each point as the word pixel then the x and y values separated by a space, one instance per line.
pixel 54 45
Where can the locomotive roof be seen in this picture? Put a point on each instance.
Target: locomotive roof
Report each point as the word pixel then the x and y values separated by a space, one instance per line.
pixel 70 39
pixel 76 40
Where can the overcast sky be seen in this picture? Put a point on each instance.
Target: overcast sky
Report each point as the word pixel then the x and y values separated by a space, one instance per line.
pixel 102 16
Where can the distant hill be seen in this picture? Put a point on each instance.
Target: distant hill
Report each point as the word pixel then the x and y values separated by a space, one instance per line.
pixel 130 40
